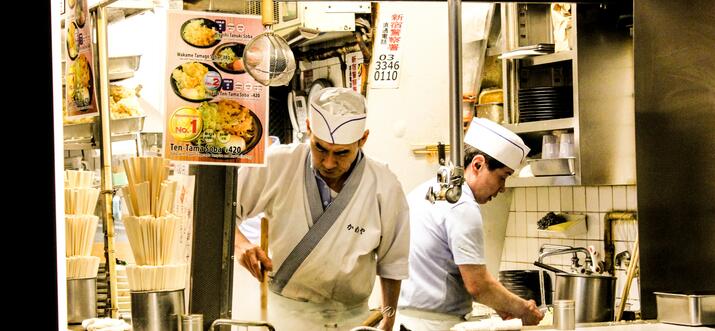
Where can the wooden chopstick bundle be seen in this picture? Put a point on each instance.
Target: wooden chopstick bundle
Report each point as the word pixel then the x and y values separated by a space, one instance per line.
pixel 78 178
pixel 79 231
pixel 154 241
pixel 147 179
pixel 81 201
pixel 156 278
pixel 152 229
pixel 81 267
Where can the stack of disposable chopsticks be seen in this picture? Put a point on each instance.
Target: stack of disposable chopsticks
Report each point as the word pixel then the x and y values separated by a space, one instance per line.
pixel 80 224
pixel 149 192
pixel 151 278
pixel 152 229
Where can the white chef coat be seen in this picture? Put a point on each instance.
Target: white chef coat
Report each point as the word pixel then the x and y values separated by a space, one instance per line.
pixel 371 236
pixel 444 235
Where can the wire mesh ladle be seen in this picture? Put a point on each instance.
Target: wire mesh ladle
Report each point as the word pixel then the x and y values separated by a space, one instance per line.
pixel 267 57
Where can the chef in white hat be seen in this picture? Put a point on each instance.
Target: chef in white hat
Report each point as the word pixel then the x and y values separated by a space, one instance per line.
pixel 447 258
pixel 337 219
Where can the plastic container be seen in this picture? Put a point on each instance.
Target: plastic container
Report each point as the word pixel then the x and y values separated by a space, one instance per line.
pixel 552 167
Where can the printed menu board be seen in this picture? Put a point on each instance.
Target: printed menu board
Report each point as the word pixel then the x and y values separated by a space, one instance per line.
pixel 216 113
pixel 80 100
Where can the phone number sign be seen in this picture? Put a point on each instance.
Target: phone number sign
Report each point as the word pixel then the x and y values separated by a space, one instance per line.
pixel 385 68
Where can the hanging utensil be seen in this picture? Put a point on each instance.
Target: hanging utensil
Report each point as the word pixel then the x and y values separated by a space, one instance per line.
pixel 267 57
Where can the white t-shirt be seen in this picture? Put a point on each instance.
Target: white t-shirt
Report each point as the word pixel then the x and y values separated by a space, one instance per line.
pixel 443 236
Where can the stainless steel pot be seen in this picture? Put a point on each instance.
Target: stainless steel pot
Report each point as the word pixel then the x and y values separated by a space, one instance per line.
pixel 157 310
pixel 81 299
pixel 594 295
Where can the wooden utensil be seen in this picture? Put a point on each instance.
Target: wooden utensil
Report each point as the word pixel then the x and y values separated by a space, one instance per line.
pixel 627 288
pixel 264 273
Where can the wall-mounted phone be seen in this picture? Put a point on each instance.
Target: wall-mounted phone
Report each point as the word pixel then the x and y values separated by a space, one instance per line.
pixel 298 107
pixel 298 112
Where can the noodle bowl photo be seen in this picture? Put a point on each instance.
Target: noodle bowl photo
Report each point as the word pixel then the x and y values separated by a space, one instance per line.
pixel 230 125
pixel 72 42
pixel 195 81
pixel 79 82
pixel 200 32
pixel 228 57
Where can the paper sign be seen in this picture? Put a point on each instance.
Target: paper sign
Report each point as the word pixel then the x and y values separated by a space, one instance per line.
pixel 354 72
pixel 216 113
pixel 385 65
pixel 80 89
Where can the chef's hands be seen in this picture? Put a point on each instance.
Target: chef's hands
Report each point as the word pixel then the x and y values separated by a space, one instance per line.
pixel 531 315
pixel 254 259
pixel 505 315
pixel 386 323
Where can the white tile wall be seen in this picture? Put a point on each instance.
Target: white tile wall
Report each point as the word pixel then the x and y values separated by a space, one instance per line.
pixel 619 198
pixel 631 198
pixel 531 226
pixel 594 226
pixel 511 225
pixel 579 198
pixel 542 196
pixel 605 198
pixel 521 224
pixel 592 198
pixel 531 201
pixel 566 198
pixel 530 204
pixel 554 199
pixel 520 199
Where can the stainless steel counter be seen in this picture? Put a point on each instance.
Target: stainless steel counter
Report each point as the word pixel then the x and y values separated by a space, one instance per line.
pixel 650 325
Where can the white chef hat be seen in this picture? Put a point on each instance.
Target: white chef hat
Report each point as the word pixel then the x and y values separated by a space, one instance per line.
pixel 497 141
pixel 338 115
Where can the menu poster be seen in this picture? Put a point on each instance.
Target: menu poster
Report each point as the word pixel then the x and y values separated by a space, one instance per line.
pixel 216 113
pixel 80 91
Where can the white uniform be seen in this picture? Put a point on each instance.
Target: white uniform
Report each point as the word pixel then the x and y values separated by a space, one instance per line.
pixel 371 236
pixel 444 236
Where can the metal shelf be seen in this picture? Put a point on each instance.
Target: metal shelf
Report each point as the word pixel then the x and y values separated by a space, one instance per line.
pixel 548 58
pixel 542 181
pixel 536 126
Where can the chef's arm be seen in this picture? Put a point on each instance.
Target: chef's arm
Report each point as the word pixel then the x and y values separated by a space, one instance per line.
pixel 488 291
pixel 251 256
pixel 390 294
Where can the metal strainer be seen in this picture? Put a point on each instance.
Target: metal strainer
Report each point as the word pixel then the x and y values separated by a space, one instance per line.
pixel 267 57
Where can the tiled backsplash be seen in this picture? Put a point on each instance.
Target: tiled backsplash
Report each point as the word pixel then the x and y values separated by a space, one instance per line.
pixel 529 204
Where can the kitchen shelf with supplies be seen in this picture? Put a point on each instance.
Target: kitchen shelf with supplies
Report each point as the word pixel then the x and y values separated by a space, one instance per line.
pixel 548 58
pixel 81 136
pixel 542 126
pixel 582 87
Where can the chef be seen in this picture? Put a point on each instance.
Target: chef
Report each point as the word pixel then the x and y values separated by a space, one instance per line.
pixel 337 219
pixel 447 257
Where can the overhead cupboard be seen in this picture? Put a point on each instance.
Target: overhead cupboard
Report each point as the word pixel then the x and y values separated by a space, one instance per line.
pixel 567 74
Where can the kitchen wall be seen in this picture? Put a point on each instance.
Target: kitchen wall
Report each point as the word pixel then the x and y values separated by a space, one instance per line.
pixel 529 204
pixel 417 112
